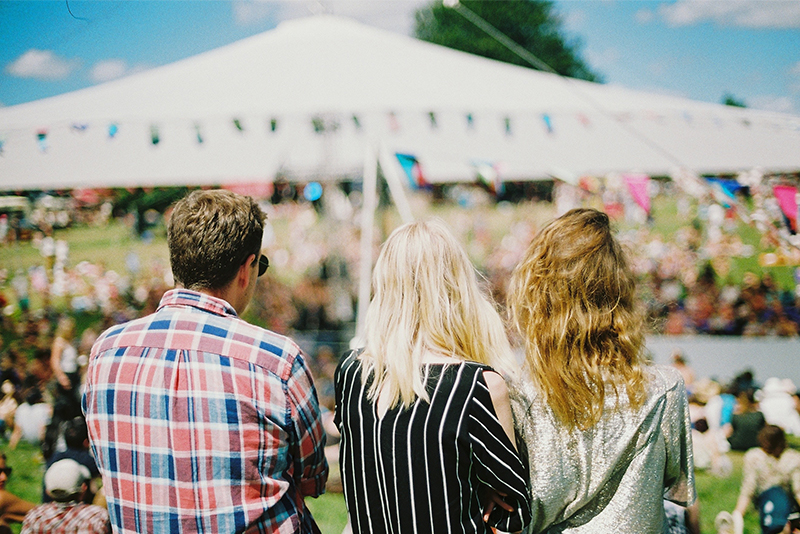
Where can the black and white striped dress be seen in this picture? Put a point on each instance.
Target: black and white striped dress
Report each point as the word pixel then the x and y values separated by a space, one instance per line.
pixel 420 470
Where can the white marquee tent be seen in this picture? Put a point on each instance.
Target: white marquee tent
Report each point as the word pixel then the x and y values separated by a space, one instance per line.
pixel 312 97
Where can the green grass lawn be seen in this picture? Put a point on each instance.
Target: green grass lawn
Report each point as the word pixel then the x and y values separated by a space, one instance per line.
pixel 715 494
pixel 26 482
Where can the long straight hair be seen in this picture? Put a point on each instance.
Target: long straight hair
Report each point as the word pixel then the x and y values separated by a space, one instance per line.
pixel 572 300
pixel 426 298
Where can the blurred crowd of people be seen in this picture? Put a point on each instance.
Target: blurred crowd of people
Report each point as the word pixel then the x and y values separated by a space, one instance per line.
pixel 753 418
pixel 53 311
pixel 311 291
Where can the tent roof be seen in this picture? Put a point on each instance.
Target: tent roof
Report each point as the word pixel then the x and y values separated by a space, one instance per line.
pixel 310 97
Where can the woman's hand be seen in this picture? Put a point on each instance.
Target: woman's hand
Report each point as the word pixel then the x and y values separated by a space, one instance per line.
pixel 492 498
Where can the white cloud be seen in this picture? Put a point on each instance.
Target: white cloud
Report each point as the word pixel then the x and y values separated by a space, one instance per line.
pixel 108 70
pixel 740 13
pixel 644 16
pixel 657 68
pixel 574 20
pixel 795 69
pixel 41 65
pixel 111 69
pixel 249 12
pixel 603 59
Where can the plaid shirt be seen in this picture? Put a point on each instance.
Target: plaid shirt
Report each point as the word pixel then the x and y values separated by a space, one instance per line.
pixel 201 422
pixel 66 518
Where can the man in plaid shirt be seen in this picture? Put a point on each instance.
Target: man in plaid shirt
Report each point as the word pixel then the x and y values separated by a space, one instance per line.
pixel 199 421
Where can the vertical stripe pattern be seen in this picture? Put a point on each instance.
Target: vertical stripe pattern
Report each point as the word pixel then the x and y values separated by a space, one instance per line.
pixel 421 470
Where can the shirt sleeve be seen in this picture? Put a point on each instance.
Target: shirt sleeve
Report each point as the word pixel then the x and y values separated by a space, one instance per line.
pixel 497 463
pixel 794 479
pixel 311 467
pixel 749 474
pixel 677 430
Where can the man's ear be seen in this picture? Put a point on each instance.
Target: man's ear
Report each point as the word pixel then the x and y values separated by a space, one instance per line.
pixel 245 272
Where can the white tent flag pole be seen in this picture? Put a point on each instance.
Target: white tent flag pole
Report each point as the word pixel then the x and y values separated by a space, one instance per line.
pixel 370 190
pixel 395 185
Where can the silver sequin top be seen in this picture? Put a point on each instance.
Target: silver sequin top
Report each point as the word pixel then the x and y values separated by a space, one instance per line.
pixel 614 476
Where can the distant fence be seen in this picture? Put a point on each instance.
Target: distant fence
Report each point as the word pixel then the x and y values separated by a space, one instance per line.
pixel 718 357
pixel 724 357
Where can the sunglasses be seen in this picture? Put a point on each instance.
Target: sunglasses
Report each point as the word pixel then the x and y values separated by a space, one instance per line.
pixel 263 264
pixel 6 471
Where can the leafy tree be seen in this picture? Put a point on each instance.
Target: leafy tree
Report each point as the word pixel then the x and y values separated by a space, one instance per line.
pixel 730 100
pixel 531 24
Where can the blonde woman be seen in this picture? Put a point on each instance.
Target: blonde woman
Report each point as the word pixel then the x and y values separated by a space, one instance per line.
pixel 427 433
pixel 608 435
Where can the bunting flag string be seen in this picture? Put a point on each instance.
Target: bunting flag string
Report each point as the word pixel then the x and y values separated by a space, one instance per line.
pixel 638 185
pixel 41 138
pixel 548 124
pixel 393 124
pixel 786 195
pixel 728 187
pixel 511 124
pixel 413 170
pixel 432 118
pixel 489 176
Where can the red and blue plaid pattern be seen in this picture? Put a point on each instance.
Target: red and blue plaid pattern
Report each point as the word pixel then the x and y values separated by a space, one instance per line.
pixel 202 422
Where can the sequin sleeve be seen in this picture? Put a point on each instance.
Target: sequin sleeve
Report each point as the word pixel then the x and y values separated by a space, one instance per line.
pixel 677 431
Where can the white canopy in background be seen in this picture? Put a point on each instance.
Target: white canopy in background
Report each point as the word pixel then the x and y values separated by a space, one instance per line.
pixel 365 88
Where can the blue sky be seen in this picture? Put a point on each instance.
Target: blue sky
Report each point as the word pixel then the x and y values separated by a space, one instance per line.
pixel 700 49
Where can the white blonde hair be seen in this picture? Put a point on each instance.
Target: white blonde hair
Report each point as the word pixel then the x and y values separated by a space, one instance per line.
pixel 426 297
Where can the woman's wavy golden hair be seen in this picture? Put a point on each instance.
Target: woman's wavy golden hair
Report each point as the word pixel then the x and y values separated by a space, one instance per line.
pixel 572 300
pixel 427 298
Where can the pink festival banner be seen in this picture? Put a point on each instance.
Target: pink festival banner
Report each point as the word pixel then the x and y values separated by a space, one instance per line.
pixel 786 196
pixel 638 185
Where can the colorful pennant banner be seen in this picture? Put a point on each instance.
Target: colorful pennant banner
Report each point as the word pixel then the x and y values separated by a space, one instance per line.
pixel 786 195
pixel 638 185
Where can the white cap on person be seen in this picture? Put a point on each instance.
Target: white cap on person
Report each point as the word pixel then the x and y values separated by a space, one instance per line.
pixel 64 479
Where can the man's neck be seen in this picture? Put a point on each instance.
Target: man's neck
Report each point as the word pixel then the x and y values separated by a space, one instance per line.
pixel 228 294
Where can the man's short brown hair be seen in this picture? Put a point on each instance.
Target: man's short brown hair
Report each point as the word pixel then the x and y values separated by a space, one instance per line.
pixel 210 234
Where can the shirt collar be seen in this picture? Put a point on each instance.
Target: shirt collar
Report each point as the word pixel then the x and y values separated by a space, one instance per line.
pixel 196 299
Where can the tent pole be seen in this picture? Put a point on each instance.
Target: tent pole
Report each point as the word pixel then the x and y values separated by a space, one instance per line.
pixel 395 185
pixel 370 191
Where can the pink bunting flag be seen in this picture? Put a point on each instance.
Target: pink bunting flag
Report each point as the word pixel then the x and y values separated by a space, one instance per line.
pixel 786 195
pixel 394 125
pixel 638 185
